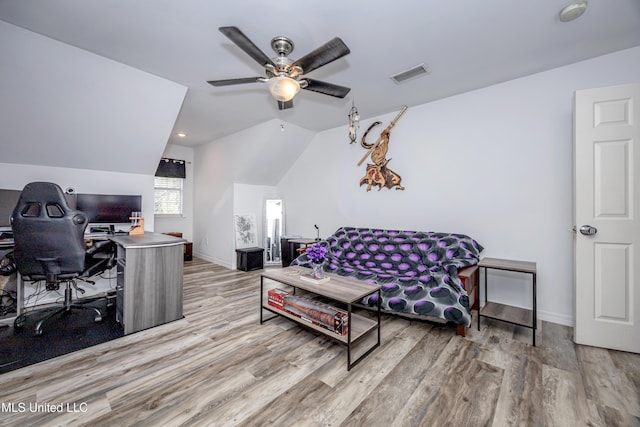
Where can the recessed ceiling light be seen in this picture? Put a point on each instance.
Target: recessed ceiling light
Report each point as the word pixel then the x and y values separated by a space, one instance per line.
pixel 181 134
pixel 573 11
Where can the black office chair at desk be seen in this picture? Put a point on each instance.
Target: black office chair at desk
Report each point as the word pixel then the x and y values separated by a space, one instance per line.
pixel 49 246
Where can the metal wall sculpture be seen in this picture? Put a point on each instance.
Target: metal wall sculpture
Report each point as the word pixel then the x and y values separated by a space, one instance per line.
pixel 377 173
pixel 354 123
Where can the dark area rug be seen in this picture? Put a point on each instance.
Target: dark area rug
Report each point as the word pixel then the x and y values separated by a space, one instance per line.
pixel 65 333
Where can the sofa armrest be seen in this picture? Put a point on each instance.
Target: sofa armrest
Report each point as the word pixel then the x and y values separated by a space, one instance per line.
pixel 467 272
pixel 470 278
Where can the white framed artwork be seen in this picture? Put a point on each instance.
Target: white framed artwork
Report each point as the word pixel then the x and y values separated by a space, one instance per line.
pixel 246 231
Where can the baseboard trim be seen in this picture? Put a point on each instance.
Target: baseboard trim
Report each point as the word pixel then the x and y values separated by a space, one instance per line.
pixel 213 260
pixel 560 319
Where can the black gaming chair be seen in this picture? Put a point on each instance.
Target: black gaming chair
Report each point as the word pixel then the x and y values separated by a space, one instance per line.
pixel 49 246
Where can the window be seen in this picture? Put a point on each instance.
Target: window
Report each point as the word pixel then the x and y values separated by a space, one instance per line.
pixel 168 196
pixel 168 187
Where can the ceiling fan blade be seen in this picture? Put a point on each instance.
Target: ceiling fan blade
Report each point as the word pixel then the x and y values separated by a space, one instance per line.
pixel 328 52
pixel 242 41
pixel 228 82
pixel 326 88
pixel 285 105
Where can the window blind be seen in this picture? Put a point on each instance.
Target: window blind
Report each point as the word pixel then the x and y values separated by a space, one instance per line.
pixel 168 196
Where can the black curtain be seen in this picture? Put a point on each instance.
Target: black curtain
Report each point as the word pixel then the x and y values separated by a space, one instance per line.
pixel 171 168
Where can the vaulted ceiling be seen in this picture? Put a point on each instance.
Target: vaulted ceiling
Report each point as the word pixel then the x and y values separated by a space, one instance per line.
pixel 466 44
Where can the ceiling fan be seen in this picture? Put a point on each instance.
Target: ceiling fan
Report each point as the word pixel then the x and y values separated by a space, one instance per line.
pixel 285 77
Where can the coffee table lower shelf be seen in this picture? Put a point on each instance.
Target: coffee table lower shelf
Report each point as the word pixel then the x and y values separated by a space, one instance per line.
pixel 360 325
pixel 339 290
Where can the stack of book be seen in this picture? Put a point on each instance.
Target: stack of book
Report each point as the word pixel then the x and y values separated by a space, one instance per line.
pixel 324 315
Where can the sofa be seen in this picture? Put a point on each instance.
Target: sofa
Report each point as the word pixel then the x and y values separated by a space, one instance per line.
pixel 425 275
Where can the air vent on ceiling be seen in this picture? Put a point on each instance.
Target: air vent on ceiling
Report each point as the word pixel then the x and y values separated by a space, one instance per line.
pixel 411 73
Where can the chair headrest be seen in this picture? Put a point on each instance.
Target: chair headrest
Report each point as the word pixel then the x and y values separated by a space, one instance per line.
pixel 44 199
pixel 43 192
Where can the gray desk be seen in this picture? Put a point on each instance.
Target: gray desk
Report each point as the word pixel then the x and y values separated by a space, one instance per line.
pixel 149 284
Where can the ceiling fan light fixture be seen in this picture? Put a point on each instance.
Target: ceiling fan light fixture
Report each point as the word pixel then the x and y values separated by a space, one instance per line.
pixel 283 75
pixel 283 88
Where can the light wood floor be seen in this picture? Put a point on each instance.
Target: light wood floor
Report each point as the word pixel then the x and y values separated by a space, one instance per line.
pixel 219 367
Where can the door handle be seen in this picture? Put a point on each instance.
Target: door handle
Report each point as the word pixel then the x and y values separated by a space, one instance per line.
pixel 588 230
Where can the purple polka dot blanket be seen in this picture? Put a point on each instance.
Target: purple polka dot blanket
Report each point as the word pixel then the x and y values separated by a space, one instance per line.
pixel 418 271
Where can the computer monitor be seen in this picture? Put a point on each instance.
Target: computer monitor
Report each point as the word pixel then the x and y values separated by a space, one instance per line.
pixel 108 208
pixel 8 202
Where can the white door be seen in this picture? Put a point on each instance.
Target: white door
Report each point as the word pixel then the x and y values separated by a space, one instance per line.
pixel 607 211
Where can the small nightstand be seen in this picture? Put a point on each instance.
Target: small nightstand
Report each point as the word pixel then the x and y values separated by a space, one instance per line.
pixel 506 313
pixel 248 259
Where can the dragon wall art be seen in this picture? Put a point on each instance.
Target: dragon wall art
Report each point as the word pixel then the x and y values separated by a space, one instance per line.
pixel 377 172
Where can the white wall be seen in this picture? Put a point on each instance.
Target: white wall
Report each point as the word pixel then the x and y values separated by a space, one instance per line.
pixel 249 199
pixel 495 164
pixel 63 106
pixel 15 177
pixel 183 223
pixel 258 156
pixel 81 120
pixel 213 203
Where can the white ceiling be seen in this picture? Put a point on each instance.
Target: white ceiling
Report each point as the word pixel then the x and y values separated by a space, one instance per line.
pixel 467 44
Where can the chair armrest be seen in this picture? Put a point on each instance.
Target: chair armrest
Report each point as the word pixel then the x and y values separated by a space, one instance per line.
pixel 99 246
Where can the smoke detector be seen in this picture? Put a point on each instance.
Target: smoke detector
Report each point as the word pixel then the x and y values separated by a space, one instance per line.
pixel 573 11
